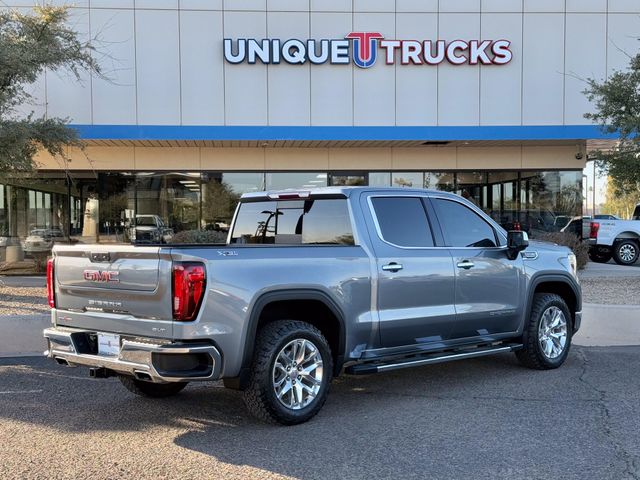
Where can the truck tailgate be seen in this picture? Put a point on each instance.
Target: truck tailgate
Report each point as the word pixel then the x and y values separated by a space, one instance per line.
pixel 113 288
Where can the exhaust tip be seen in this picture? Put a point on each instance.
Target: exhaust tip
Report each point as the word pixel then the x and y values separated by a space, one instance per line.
pixel 61 361
pixel 142 376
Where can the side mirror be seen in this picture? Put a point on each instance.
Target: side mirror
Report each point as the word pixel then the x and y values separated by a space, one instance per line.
pixel 516 242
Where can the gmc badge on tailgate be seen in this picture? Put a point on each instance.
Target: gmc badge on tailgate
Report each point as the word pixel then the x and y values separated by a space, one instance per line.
pixel 101 276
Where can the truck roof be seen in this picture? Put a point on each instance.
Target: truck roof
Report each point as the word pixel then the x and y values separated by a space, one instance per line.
pixel 346 191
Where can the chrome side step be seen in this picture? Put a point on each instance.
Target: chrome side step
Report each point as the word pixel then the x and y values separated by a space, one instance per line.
pixel 426 359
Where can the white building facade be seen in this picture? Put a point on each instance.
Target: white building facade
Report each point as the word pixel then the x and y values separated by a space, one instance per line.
pixel 203 100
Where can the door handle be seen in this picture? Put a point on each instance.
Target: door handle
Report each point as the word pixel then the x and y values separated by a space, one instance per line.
pixel 392 267
pixel 466 264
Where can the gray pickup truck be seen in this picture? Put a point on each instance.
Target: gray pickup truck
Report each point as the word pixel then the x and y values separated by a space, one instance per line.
pixel 311 284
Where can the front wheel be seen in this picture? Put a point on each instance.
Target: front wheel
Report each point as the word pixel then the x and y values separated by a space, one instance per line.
pixel 291 372
pixel 626 252
pixel 547 336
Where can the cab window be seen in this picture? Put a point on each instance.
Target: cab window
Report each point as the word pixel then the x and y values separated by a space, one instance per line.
pixel 403 221
pixel 462 227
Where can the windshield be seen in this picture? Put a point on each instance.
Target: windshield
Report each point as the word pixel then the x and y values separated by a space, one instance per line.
pixel 144 221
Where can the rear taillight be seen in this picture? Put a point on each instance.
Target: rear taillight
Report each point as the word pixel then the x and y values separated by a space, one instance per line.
pixel 593 231
pixel 189 281
pixel 51 296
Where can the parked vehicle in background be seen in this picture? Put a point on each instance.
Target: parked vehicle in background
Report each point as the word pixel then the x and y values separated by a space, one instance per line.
pixel 41 240
pixel 606 217
pixel 310 284
pixel 578 226
pixel 150 229
pixel 619 239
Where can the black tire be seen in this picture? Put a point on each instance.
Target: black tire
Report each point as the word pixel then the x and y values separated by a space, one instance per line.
pixel 600 257
pixel 260 396
pixel 532 354
pixel 622 250
pixel 152 390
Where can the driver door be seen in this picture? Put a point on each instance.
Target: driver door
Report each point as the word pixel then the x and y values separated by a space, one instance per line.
pixel 488 284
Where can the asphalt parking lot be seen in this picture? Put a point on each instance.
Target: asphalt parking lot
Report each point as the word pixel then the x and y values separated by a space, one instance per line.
pixel 483 418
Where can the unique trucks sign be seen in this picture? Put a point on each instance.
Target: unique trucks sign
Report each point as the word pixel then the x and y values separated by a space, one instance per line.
pixel 363 48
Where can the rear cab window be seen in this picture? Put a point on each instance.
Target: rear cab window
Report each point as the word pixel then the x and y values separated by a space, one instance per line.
pixel 402 221
pixel 294 222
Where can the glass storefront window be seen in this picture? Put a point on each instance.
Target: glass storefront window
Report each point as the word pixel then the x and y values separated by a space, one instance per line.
pixel 473 187
pixel 283 181
pixel 503 202
pixel 32 218
pixel 407 179
pixel 3 216
pixel 166 203
pixel 550 200
pixel 348 180
pixel 116 197
pixel 220 195
pixel 379 179
pixel 39 210
pixel 439 181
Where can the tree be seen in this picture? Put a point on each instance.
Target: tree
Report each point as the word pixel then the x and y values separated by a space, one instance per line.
pixel 29 44
pixel 617 109
pixel 620 204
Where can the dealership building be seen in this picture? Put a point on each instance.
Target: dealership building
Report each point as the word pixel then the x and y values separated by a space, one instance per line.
pixel 203 100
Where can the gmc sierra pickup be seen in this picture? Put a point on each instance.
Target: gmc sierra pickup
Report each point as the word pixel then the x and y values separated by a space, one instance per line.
pixel 311 284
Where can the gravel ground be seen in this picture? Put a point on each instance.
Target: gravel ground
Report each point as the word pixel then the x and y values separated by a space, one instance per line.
pixel 23 300
pixel 605 290
pixel 611 290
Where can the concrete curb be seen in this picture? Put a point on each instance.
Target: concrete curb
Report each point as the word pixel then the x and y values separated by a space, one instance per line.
pixel 609 325
pixel 612 305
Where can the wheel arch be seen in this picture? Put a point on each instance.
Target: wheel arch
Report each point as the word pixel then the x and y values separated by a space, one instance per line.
pixel 627 235
pixel 560 284
pixel 271 306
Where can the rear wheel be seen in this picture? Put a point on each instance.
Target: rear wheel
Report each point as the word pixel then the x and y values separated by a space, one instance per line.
pixel 547 336
pixel 291 372
pixel 152 390
pixel 600 257
pixel 626 252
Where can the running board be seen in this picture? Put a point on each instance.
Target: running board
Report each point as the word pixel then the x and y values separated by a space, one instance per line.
pixel 426 359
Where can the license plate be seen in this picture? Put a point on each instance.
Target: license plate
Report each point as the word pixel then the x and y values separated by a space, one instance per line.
pixel 108 344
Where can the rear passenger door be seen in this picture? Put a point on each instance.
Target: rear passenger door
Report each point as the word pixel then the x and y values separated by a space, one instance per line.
pixel 488 284
pixel 415 293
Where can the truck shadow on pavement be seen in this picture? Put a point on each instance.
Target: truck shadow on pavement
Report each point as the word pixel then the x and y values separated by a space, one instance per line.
pixel 479 418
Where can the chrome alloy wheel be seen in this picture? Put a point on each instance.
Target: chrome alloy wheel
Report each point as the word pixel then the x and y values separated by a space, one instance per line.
pixel 297 374
pixel 552 332
pixel 627 252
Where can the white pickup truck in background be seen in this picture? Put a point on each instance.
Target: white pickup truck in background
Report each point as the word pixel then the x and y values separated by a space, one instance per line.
pixel 619 239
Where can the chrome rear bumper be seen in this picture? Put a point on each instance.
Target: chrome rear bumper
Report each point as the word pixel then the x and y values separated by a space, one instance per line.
pixel 141 358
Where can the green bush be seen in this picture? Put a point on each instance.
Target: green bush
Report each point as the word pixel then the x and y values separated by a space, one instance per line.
pixel 579 248
pixel 200 236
